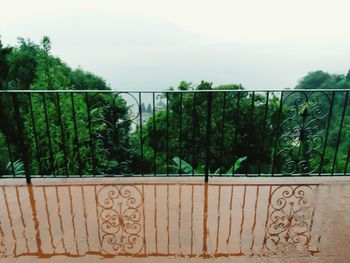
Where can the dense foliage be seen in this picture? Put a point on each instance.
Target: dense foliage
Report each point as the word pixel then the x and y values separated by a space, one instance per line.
pixel 236 129
pixel 92 133
pixel 339 130
pixel 58 129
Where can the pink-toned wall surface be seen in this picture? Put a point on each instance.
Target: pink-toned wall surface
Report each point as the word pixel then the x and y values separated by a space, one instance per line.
pixel 170 220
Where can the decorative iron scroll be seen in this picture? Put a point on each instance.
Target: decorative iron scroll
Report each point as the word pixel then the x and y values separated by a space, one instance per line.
pixel 302 131
pixel 121 220
pixel 112 119
pixel 290 217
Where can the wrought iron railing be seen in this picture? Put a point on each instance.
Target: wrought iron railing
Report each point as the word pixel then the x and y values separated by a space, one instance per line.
pixel 91 133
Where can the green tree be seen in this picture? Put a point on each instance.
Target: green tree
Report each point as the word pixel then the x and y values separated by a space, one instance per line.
pixel 348 76
pixel 314 80
pixel 234 134
pixel 61 135
pixel 323 80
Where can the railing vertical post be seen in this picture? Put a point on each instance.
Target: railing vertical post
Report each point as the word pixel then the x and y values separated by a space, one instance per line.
pixel 167 134
pixel 208 136
pixel 20 134
pixel 154 135
pixel 340 131
pixel 141 135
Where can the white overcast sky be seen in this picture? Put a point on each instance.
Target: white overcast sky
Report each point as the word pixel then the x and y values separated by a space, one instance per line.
pixel 155 44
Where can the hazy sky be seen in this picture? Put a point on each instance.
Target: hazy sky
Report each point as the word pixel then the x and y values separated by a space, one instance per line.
pixel 155 44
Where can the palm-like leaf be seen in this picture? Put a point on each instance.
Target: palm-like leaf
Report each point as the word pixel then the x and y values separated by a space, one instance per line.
pixel 182 165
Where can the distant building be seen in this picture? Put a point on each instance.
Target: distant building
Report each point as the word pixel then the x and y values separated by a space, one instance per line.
pixel 147 112
pixel 160 105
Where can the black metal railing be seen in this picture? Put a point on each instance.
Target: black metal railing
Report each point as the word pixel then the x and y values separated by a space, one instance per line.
pixel 89 133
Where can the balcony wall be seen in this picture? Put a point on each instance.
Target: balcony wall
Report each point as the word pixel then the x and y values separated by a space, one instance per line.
pixel 161 219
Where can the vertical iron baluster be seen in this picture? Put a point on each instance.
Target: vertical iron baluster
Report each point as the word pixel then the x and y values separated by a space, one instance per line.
pixel 11 158
pixel 9 151
pixel 48 134
pixel 62 132
pixel 264 130
pixel 340 130
pixel 76 133
pixel 222 133
pixel 326 136
pixel 180 135
pixel 347 161
pixel 20 133
pixel 252 106
pixel 208 136
pixel 194 121
pixel 154 137
pixel 35 134
pixel 92 142
pixel 236 128
pixel 141 136
pixel 167 134
pixel 250 121
pixel 277 133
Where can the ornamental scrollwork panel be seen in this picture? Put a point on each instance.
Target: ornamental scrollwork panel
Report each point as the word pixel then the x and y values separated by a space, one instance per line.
pixel 290 219
pixel 121 220
pixel 112 120
pixel 302 131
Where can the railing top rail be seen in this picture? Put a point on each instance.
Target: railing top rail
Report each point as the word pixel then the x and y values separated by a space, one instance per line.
pixel 171 91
